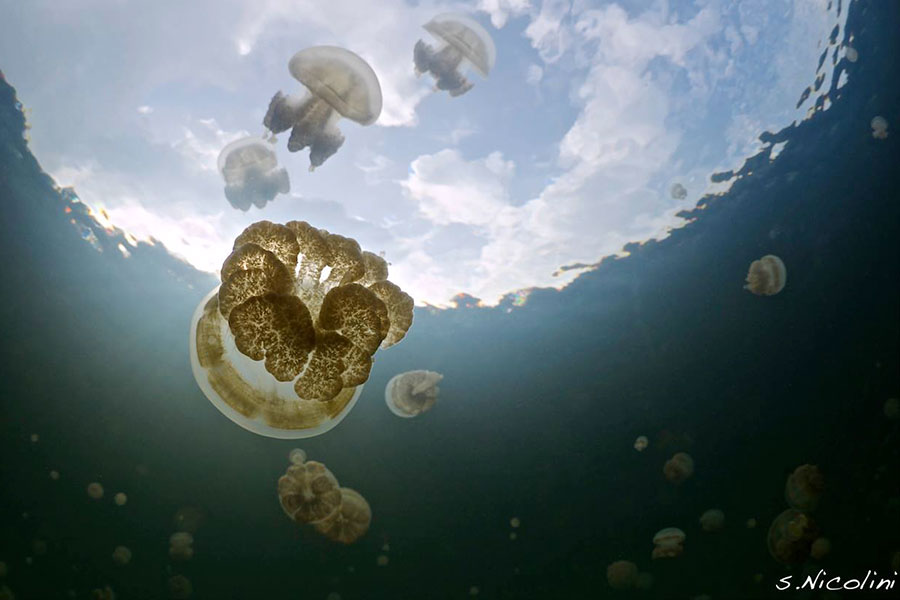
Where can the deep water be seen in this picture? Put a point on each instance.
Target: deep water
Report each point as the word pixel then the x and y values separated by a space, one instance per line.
pixel 540 404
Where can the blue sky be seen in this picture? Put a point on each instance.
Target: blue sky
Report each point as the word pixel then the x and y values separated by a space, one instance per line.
pixel 562 155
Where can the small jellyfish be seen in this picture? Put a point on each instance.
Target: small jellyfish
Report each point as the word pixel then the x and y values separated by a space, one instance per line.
pixel 95 490
pixel 879 128
pixel 474 591
pixel 340 84
pixel 333 596
pixel 668 543
pixel 382 560
pixel 820 548
pixel 34 438
pixel 892 409
pixel 751 523
pixel 678 191
pixel 121 556
pixel 350 522
pixel 297 456
pixel 804 487
pixel 790 537
pixel 766 276
pixel 309 493
pixel 463 42
pixel 39 547
pixel 252 176
pixel 515 522
pixel 712 520
pixel 181 546
pixel 180 587
pixel 852 54
pixel 679 468
pixel 412 393
pixel 641 443
pixel 120 499
pixel 6 593
pixel 104 593
pixel 54 475
pixel 622 575
pixel 895 561
pixel 644 581
pixel 513 536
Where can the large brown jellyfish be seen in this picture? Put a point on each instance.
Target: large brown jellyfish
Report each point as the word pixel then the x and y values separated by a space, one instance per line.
pixel 791 536
pixel 767 276
pixel 668 543
pixel 679 468
pixel 804 487
pixel 412 393
pixel 464 42
pixel 252 176
pixel 350 522
pixel 339 84
pixel 284 344
pixel 309 493
pixel 622 575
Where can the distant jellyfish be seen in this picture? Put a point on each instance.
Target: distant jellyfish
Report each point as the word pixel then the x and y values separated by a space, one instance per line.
pixel 309 493
pixel 350 522
pixel 767 276
pixel 339 84
pixel 804 487
pixel 515 522
pixel 121 556
pixel 333 596
pixel 644 581
pixel 464 42
pixel 297 456
pixel 120 499
pixel 412 393
pixel 3 569
pixel 252 176
pixel 39 547
pixel 104 593
pixel 679 468
pixel 678 191
pixel 6 593
pixel 513 536
pixel 54 475
pixel 668 542
pixel 820 548
pixel 181 546
pixel 751 523
pixel 382 560
pixel 622 575
pixel 641 443
pixel 34 438
pixel 180 587
pixel 892 409
pixel 712 520
pixel 474 591
pixel 852 54
pixel 95 490
pixel 791 536
pixel 895 561
pixel 879 128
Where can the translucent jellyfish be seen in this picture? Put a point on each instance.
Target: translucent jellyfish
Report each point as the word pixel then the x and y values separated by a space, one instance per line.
pixel 105 593
pixel 309 493
pixel 95 490
pixel 804 487
pixel 382 560
pixel 54 475
pixel 339 84
pixel 121 556
pixel 283 346
pixel 679 468
pixel 892 409
pixel 181 546
pixel 333 596
pixel 412 393
pixel 852 54
pixel 669 543
pixel 751 523
pixel 678 191
pixel 712 520
pixel 641 443
pixel 474 591
pixel 180 587
pixel 120 499
pixel 463 43
pixel 820 548
pixel 879 128
pixel 622 575
pixel 790 537
pixel 513 536
pixel 767 276
pixel 34 438
pixel 644 581
pixel 297 456
pixel 350 522
pixel 252 176
pixel 515 522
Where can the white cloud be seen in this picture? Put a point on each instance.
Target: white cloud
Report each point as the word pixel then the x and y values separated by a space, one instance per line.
pixel 202 143
pixel 534 74
pixel 501 10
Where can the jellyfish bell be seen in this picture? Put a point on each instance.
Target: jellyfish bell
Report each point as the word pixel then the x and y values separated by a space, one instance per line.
pixel 297 456
pixel 180 587
pixel 641 443
pixel 766 276
pixel 668 543
pixel 464 43
pixel 120 499
pixel 252 176
pixel 804 487
pixel 121 556
pixel 879 127
pixel 892 409
pixel 382 560
pixel 412 393
pixel 350 522
pixel 712 520
pixel 852 54
pixel 622 575
pixel 95 490
pixel 340 84
pixel 284 344
pixel 679 468
pixel 820 548
pixel 791 536
pixel 678 191
pixel 309 493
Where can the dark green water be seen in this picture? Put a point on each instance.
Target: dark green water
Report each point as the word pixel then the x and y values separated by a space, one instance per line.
pixel 539 405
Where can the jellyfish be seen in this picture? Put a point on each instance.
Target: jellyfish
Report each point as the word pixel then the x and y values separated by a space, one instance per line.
pixel 333 596
pixel 6 593
pixel 464 43
pixel 751 523
pixel 515 522
pixel 95 490
pixel 668 543
pixel 879 128
pixel 892 409
pixel 121 556
pixel 284 344
pixel 39 547
pixel 180 587
pixel 804 487
pixel 513 536
pixel 339 84
pixel 181 546
pixel 767 276
pixel 54 475
pixel 3 569
pixel 120 499
pixel 641 443
pixel 474 591
pixel 679 468
pixel 895 561
pixel 382 560
pixel 852 54
pixel 712 520
pixel 105 593
pixel 412 393
pixel 350 522
pixel 309 493
pixel 622 575
pixel 790 537
pixel 34 438
pixel 297 456
pixel 820 548
pixel 678 191
pixel 252 176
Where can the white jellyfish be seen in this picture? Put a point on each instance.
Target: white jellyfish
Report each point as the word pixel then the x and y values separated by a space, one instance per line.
pixel 181 546
pixel 382 560
pixel 340 84
pixel 879 128
pixel 54 475
pixel 252 176
pixel 412 393
pixel 464 42
pixel 678 191
pixel 766 276
pixel 297 456
pixel 34 438
pixel 641 443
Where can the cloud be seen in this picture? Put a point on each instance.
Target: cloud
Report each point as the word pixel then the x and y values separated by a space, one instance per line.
pixel 202 141
pixel 501 10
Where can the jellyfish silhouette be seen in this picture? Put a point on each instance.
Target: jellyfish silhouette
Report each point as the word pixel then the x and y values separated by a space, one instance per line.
pixel 121 556
pixel 252 176
pixel 340 84
pixel 712 520
pixel 767 276
pixel 679 468
pixel 879 128
pixel 804 487
pixel 464 43
pixel 181 546
pixel 412 393
pixel 350 522
pixel 95 490
pixel 641 443
pixel 309 493
pixel 180 587
pixel 678 191
pixel 668 543
pixel 283 346
pixel 622 575
pixel 791 536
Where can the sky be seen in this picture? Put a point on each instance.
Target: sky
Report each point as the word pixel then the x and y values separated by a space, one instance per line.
pixel 563 154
